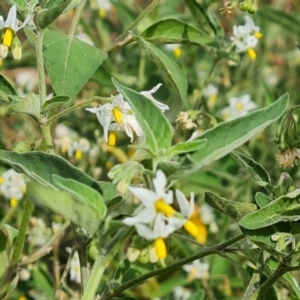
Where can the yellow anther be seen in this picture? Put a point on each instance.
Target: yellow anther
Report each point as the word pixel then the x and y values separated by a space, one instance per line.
pixel 78 154
pixel 118 114
pixel 160 248
pixel 258 35
pixel 191 228
pixel 239 106
pixel 251 53
pixel 212 100
pixel 112 138
pixel 23 189
pixel 13 202
pixel 8 37
pixel 64 149
pixel 102 13
pixel 162 207
pixel 22 298
pixel 177 52
pixel 1 180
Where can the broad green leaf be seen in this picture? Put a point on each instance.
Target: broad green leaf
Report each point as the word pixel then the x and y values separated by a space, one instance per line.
pixel 171 71
pixel 46 16
pixel 6 89
pixel 29 105
pixel 109 190
pixel 175 31
pixel 262 199
pixel 288 21
pixel 82 192
pixel 227 136
pixel 70 62
pixel 283 209
pixel 40 166
pixel 204 18
pixel 235 210
pixel 56 102
pixel 257 171
pixel 186 147
pixel 81 213
pixel 41 279
pixel 156 128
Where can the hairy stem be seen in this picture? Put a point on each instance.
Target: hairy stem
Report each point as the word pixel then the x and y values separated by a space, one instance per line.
pixel 76 17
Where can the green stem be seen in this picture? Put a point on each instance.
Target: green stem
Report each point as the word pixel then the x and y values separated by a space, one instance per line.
pixel 76 17
pixel 133 25
pixel 204 252
pixel 102 262
pixel 102 100
pixel 280 271
pixel 40 66
pixel 46 145
pixel 22 233
pixel 256 276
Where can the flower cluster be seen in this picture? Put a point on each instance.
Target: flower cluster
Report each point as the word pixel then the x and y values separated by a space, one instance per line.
pixel 158 219
pixel 288 158
pixel 245 37
pixel 103 6
pixel 67 141
pixel 118 116
pixel 12 186
pixel 211 93
pixel 238 107
pixel 9 39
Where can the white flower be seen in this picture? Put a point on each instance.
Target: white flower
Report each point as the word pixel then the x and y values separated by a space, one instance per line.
pixel 238 107
pixel 80 147
pixel 75 267
pixel 9 28
pixel 210 91
pixel 117 116
pixel 176 48
pixel 163 107
pixel 64 139
pixel 245 37
pixel 12 186
pixel 181 293
pixel 197 269
pixel 39 233
pixel 153 201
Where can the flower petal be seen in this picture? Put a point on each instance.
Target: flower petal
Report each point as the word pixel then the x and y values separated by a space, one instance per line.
pixel 146 196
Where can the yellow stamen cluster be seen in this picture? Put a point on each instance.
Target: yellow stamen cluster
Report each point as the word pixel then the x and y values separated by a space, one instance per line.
pixel 160 248
pixel 78 154
pixel 191 228
pixel 13 202
pixel 112 138
pixel 7 37
pixel 177 52
pixel 117 113
pixel 164 208
pixel 251 53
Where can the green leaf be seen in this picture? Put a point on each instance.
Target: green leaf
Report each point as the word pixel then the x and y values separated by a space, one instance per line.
pixel 7 235
pixel 109 190
pixel 283 209
pixel 53 3
pixel 6 89
pixel 175 31
pixel 227 136
pixel 46 16
pixel 29 105
pixel 233 209
pixel 171 71
pixel 262 199
pixel 82 192
pixel 21 4
pixel 40 166
pixel 70 62
pixel 262 237
pixel 257 171
pixel 186 147
pixel 72 208
pixel 156 128
pixel 56 102
pixel 204 18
